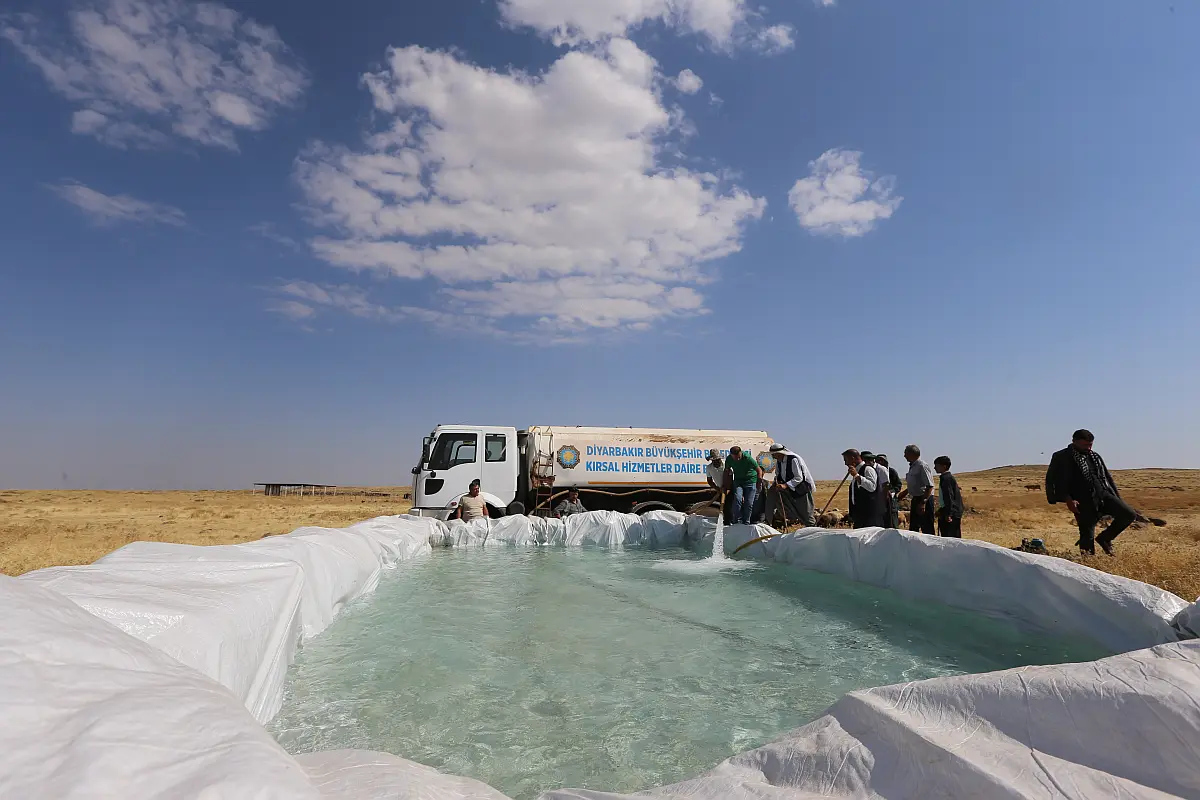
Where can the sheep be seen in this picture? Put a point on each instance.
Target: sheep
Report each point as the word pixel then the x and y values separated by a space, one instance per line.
pixel 829 520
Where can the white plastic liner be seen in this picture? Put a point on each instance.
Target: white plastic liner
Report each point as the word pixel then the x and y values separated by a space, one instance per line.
pixel 360 775
pixel 1123 727
pixel 600 528
pixel 87 710
pixel 236 612
pixel 1187 622
pixel 1049 593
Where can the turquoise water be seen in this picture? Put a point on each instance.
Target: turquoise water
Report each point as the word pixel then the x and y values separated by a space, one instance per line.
pixel 542 668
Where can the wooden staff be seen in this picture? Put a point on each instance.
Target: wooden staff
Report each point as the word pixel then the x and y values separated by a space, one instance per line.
pixel 835 492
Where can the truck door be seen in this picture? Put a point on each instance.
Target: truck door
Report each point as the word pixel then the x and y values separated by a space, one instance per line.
pixel 453 463
pixel 500 459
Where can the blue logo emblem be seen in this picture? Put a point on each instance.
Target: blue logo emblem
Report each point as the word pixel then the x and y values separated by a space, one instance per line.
pixel 568 456
pixel 767 462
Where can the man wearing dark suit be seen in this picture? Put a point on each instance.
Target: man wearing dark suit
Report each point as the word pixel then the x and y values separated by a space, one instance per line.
pixel 1079 478
pixel 894 487
pixel 883 497
pixel 864 510
pixel 950 502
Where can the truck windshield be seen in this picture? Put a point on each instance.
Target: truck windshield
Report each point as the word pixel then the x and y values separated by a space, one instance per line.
pixel 453 449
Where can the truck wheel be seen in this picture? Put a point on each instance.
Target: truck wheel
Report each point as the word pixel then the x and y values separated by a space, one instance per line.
pixel 495 513
pixel 515 509
pixel 652 505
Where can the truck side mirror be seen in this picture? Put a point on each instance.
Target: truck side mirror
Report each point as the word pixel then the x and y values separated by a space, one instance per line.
pixel 416 470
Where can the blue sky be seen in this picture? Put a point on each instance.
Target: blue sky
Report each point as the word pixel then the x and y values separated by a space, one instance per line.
pixel 281 241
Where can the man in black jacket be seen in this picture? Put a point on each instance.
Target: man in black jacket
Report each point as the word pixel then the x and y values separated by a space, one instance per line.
pixel 950 502
pixel 894 487
pixel 1079 478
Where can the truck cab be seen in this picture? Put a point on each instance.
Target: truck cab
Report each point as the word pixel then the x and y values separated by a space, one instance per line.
pixel 454 455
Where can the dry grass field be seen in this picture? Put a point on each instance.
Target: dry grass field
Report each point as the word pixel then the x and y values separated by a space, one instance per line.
pixel 41 529
pixel 1003 509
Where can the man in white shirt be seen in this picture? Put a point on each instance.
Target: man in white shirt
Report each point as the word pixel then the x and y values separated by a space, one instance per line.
pixel 920 488
pixel 471 505
pixel 794 486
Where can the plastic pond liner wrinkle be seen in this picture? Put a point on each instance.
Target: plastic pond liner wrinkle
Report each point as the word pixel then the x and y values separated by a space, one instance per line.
pixel 149 673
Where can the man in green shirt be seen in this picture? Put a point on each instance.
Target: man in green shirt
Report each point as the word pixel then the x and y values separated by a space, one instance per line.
pixel 745 475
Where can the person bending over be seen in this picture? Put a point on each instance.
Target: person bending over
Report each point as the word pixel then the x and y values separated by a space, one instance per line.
pixel 745 474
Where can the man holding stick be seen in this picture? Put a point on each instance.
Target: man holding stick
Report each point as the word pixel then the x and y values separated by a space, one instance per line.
pixel 794 486
pixel 864 510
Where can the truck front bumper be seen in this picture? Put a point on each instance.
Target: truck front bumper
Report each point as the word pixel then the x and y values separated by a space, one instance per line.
pixel 437 513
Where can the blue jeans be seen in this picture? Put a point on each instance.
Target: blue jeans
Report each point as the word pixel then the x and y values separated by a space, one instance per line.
pixel 743 504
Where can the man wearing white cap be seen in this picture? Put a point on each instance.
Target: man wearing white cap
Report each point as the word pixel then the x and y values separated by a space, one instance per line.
pixel 794 486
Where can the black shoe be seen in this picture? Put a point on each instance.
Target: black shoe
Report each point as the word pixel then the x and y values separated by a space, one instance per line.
pixel 1105 545
pixel 1087 551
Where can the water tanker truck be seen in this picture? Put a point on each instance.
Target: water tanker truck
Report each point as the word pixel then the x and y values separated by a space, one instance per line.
pixel 633 470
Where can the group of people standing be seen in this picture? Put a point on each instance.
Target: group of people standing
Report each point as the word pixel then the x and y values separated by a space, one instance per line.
pixel 1078 478
pixel 876 493
pixel 876 490
pixel 741 477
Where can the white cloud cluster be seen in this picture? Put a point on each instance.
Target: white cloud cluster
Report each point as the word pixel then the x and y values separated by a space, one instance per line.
pixel 542 201
pixel 688 82
pixel 725 23
pixel 105 209
pixel 774 40
pixel 299 300
pixel 840 198
pixel 144 71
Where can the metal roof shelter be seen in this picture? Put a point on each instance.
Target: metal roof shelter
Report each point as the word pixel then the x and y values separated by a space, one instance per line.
pixel 277 489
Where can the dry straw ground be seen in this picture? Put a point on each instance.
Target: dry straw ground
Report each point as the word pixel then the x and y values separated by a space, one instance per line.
pixel 40 529
pixel 1008 504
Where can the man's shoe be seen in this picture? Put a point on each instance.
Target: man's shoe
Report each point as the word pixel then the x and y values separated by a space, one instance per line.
pixel 1087 551
pixel 1105 545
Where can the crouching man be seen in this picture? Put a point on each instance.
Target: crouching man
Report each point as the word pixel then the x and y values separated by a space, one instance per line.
pixel 471 505
pixel 572 505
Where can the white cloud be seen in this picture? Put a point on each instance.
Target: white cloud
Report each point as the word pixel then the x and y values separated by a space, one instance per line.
pixel 268 231
pixel 840 198
pixel 345 298
pixel 145 71
pixel 107 209
pixel 774 40
pixel 725 23
pixel 688 82
pixel 540 200
pixel 292 309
